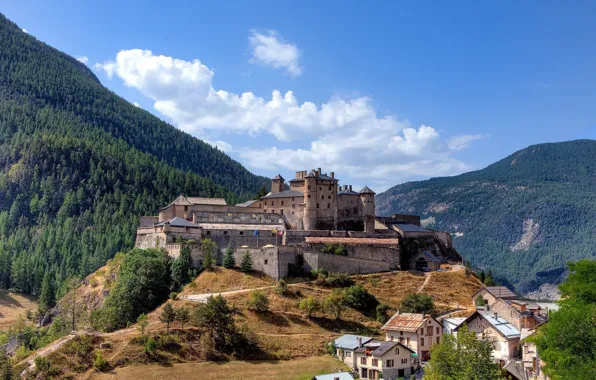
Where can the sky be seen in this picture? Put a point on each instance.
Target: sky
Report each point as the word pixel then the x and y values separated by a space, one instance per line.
pixel 379 92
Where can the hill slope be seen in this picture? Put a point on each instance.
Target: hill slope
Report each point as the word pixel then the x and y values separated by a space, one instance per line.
pixel 78 165
pixel 523 217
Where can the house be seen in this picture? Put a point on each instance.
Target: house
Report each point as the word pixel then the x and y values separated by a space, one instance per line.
pixel 418 332
pixel 503 335
pixel 530 359
pixel 391 359
pixel 335 376
pixel 449 324
pixel 492 293
pixel 425 260
pixel 521 314
pixel 345 346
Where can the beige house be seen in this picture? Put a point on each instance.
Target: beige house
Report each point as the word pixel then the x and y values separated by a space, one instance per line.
pixel 415 331
pixel 492 293
pixel 491 327
pixel 531 360
pixel 392 360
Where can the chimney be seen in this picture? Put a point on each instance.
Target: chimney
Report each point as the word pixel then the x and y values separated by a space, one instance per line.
pixel 495 314
pixel 332 174
pixel 522 307
pixel 318 171
pixel 350 187
pixel 359 340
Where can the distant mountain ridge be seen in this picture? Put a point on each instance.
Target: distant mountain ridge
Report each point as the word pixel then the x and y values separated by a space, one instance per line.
pixel 524 216
pixel 79 164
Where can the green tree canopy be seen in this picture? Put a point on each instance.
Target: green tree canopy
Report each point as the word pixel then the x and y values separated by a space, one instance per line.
pixel 416 303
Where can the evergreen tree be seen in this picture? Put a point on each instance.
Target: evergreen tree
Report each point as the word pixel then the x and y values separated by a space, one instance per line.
pixel 182 316
pixel 229 261
pixel 181 267
pixel 209 249
pixel 246 265
pixel 167 315
pixel 47 298
pixel 416 303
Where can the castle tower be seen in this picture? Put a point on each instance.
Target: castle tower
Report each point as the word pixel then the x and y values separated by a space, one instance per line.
pixel 309 218
pixel 277 184
pixel 367 199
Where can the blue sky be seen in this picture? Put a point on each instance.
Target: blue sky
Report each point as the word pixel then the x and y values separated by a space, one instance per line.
pixel 395 91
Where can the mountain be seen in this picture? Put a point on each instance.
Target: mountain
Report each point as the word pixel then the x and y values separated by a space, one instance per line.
pixel 79 164
pixel 523 217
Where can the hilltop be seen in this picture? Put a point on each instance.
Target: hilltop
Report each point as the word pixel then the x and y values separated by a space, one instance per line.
pixel 523 217
pixel 79 164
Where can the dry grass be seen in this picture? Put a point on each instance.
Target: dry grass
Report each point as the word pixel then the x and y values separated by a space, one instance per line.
pixel 390 288
pixel 301 369
pixel 13 305
pixel 453 289
pixel 223 280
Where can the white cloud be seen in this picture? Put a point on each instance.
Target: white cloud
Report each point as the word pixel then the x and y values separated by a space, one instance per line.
pixel 271 50
pixel 344 135
pixel 463 141
pixel 25 30
pixel 83 59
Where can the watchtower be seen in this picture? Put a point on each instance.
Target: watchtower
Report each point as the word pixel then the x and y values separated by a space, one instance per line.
pixel 277 184
pixel 367 199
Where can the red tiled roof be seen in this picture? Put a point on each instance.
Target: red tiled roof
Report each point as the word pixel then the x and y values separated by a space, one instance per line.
pixel 354 241
pixel 406 322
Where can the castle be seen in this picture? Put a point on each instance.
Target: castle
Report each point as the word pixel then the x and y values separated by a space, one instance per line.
pixel 294 228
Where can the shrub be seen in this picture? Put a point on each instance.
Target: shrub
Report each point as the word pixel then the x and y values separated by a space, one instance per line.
pixel 42 364
pixel 382 310
pixel 258 302
pixel 150 347
pixel 167 342
pixel 99 363
pixel 310 306
pixel 246 265
pixel 142 323
pixel 209 249
pixel 331 349
pixel 182 316
pixel 480 301
pixel 357 297
pixel 416 303
pixel 282 288
pixel 173 295
pixel 334 280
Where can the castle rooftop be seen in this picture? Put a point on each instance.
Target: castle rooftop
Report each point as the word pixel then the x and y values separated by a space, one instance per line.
pixel 284 194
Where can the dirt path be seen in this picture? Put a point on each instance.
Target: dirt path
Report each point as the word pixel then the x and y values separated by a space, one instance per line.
pixel 205 296
pixel 46 351
pixel 426 280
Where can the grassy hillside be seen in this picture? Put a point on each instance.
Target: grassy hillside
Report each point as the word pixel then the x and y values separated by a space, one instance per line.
pixel 79 165
pixel 284 332
pixel 523 217
pixel 14 306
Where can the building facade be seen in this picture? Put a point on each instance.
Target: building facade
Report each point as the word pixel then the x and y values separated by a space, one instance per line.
pixel 416 331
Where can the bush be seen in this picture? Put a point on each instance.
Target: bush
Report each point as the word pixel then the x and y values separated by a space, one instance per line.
pixel 167 315
pixel 335 249
pixel 150 347
pixel 258 302
pixel 382 310
pixel 334 280
pixel 209 249
pixel 142 323
pixel 331 349
pixel 416 303
pixel 357 297
pixel 336 303
pixel 42 364
pixel 480 301
pixel 182 316
pixel 282 288
pixel 229 261
pixel 167 342
pixel 310 306
pixel 99 363
pixel 173 295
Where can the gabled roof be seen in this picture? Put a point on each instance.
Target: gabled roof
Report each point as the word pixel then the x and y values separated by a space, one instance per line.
pixel 284 194
pixel 247 203
pixel 178 222
pixel 380 347
pixel 278 177
pixel 350 342
pixel 498 292
pixel 406 322
pixel 348 192
pixel 427 256
pixel 207 201
pixel 321 176
pixel 367 190
pixel 503 327
pixel 350 241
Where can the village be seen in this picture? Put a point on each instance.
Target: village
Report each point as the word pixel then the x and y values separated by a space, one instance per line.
pixel 317 224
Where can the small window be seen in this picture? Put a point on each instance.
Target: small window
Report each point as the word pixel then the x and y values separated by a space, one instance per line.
pixel 437 331
pixel 348 354
pixel 292 199
pixel 308 187
pixel 322 197
pixel 363 361
pixel 375 362
pixel 438 339
pixel 272 211
pixel 293 205
pixel 265 203
pixel 401 333
pixel 397 351
pixel 330 188
pixel 329 197
pixel 208 232
pixel 281 211
pixel 404 361
pixel 317 205
pixel 320 189
pixel 422 341
pixel 241 232
pixel 272 203
pixel 265 210
pixel 266 261
pixel 225 232
pixel 282 203
pixel 328 205
pixel 309 195
pixel 390 363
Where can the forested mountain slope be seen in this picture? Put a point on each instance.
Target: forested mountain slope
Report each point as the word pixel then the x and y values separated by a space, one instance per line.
pixel 78 165
pixel 523 217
